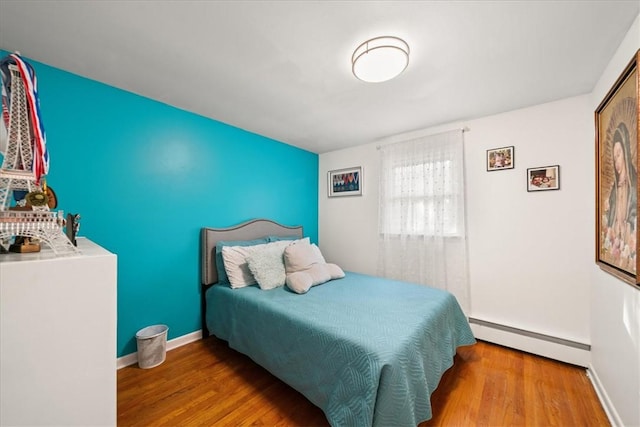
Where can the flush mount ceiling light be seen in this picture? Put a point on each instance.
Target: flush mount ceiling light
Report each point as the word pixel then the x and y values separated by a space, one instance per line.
pixel 380 59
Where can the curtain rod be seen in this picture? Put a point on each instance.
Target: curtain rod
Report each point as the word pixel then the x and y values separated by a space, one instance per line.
pixel 463 129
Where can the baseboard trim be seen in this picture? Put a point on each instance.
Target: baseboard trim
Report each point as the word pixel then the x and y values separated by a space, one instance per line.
pixel 132 359
pixel 609 409
pixel 128 360
pixel 556 348
pixel 531 334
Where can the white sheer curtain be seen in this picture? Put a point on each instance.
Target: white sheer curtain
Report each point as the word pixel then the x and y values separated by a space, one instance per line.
pixel 422 228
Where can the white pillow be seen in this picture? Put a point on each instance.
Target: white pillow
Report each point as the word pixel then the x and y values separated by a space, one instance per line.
pixel 235 264
pixel 235 260
pixel 267 267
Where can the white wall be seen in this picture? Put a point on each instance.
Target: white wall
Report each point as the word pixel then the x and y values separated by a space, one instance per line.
pixel 528 251
pixel 347 226
pixel 531 255
pixel 615 306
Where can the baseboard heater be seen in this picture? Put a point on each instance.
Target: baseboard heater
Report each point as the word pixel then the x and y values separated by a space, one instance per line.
pixel 536 335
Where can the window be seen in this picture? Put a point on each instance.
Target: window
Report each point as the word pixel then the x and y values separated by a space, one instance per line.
pixel 422 220
pixel 421 191
pixel 420 203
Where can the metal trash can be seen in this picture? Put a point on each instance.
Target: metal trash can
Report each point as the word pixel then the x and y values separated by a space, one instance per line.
pixel 152 345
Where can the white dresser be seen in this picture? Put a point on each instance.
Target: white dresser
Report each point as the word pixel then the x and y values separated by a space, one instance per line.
pixel 58 338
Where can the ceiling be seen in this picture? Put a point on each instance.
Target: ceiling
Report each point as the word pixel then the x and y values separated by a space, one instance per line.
pixel 282 69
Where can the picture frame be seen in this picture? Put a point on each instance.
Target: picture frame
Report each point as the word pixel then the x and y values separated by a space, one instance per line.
pixel 543 178
pixel 616 145
pixel 345 182
pixel 500 158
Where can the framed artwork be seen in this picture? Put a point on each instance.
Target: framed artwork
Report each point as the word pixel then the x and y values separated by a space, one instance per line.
pixel 543 178
pixel 616 120
pixel 345 182
pixel 500 158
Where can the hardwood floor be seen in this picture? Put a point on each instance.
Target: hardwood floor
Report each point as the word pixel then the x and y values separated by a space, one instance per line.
pixel 490 385
pixel 205 383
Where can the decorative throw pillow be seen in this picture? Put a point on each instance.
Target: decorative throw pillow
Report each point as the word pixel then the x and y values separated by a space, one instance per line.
pixel 237 267
pixel 306 267
pixel 267 266
pixel 301 281
pixel 301 256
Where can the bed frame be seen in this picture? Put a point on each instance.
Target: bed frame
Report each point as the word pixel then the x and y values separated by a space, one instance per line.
pixel 249 230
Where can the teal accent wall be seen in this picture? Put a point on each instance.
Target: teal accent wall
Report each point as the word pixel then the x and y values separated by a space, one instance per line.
pixel 145 177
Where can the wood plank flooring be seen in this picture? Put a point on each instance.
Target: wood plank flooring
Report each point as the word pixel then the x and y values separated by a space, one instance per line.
pixel 206 383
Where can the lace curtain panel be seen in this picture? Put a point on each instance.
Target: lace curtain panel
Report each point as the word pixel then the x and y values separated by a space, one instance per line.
pixel 422 226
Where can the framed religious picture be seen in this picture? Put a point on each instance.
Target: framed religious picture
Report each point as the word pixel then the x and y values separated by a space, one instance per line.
pixel 616 120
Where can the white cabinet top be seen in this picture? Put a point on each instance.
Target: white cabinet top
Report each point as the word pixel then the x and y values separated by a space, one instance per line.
pixel 86 246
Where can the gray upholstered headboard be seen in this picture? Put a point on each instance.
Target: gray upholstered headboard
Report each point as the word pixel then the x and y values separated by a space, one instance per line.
pixel 249 230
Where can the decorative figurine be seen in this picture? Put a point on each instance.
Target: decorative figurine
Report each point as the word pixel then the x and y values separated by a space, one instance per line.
pixel 24 166
pixel 73 226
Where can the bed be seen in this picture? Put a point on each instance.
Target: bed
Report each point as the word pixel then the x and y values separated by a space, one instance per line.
pixel 367 351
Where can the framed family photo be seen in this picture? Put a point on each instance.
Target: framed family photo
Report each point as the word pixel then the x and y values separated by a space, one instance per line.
pixel 500 158
pixel 616 120
pixel 543 178
pixel 345 182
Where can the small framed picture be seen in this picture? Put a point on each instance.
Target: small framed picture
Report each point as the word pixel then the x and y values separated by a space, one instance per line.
pixel 500 158
pixel 345 182
pixel 543 178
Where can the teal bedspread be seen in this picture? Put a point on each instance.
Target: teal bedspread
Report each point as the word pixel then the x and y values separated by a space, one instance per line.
pixel 368 351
